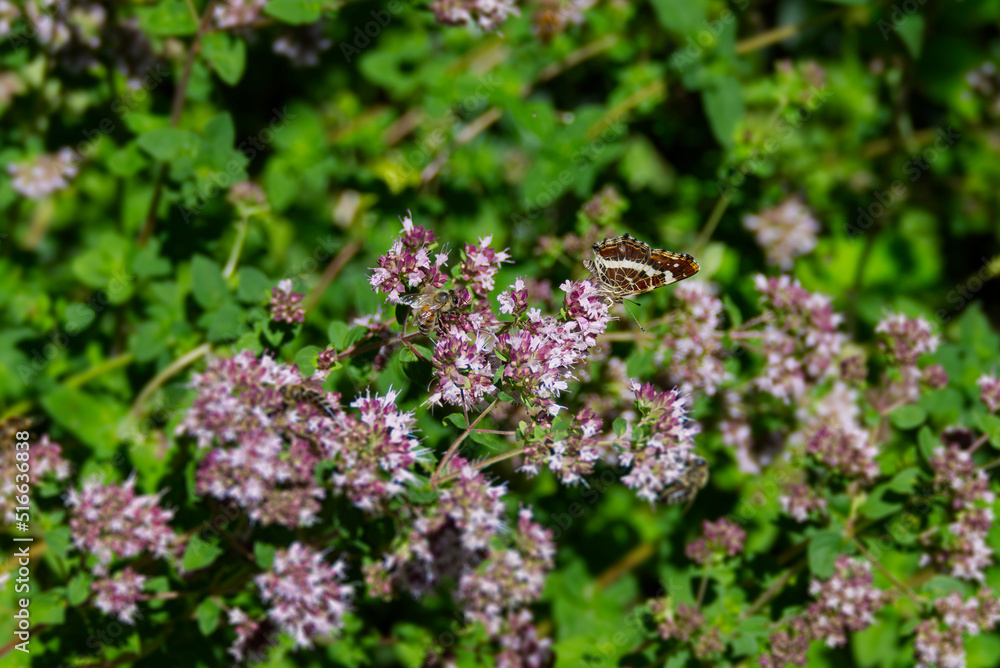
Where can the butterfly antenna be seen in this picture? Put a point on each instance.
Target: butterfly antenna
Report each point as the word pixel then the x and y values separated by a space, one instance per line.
pixel 625 304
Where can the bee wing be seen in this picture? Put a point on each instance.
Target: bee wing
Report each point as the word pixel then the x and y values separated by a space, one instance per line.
pixel 415 300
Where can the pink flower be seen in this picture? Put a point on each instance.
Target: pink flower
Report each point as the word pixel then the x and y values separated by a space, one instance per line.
pixel 286 306
pixel 904 339
pixel 44 174
pixel 481 265
pixel 989 392
pixel 784 232
pixel 488 14
pixel 661 444
pixel 695 338
pixel 845 602
pixel 112 521
pixel 720 538
pixel 307 595
pixel 408 264
pixel 119 594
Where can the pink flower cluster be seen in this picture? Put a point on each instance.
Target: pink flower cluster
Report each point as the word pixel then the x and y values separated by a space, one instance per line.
pixel 306 594
pixel 569 452
pixel 462 538
pixel 267 450
pixel 800 341
pixel 408 264
pixel 662 442
pixel 541 358
pixel 696 340
pixel 799 500
pixel 846 602
pixel 989 392
pixel 112 521
pixel 44 174
pixel 481 264
pixel 120 594
pixel 286 305
pixel 963 548
pixel 904 340
pixel 720 538
pixel 784 232
pixel 488 14
pixel 939 640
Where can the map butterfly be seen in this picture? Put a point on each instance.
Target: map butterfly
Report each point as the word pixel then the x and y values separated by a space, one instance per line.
pixel 626 267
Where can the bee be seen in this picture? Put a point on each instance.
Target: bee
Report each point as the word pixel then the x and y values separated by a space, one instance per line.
pixel 429 306
pixel 693 478
pixel 295 393
pixel 547 23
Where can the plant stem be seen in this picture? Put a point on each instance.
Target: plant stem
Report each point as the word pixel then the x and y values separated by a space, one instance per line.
pixel 720 207
pixel 702 587
pixel 234 252
pixel 632 558
pixel 176 110
pixel 910 594
pixel 773 590
pixel 95 371
pixel 478 466
pixel 336 264
pixel 165 375
pixel 458 441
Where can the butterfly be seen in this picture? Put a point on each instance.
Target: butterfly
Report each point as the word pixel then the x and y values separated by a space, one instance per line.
pixel 626 267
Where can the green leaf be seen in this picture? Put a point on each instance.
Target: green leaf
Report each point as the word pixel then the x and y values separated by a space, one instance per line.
pixel 876 645
pixel 208 616
pixel 927 442
pixel 681 17
pixel 875 507
pixel 167 144
pixel 127 161
pixel 903 481
pixel 207 285
pixel 92 419
pixel 305 359
pixel 342 337
pixel 990 426
pixel 264 552
pixel 297 12
pixel 619 425
pixel 148 341
pixel 724 108
pixel 503 396
pixel 172 17
pixel 824 548
pixel 911 32
pixel 457 419
pixel 226 54
pixel 252 286
pixel 908 417
pixel 223 323
pixel 199 553
pixel 78 589
pixel 148 263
